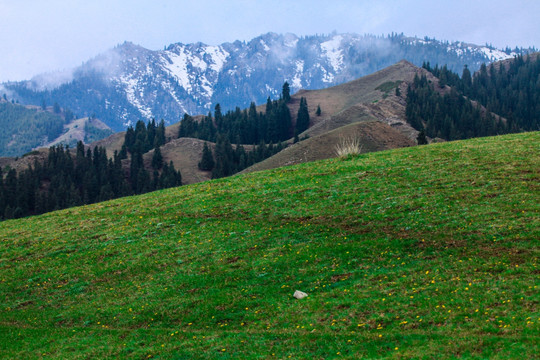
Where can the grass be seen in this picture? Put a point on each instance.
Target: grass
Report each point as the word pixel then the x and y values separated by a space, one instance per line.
pixel 424 252
pixel 388 86
pixel 349 146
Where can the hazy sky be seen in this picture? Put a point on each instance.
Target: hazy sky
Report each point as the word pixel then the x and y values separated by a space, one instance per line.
pixel 48 35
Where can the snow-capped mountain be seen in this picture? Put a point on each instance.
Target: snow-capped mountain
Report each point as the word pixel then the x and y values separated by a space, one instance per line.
pixel 130 82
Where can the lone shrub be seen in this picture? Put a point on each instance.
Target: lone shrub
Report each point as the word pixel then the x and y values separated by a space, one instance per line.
pixel 348 146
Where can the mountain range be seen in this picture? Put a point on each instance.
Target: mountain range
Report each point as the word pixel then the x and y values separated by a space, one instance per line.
pixel 130 82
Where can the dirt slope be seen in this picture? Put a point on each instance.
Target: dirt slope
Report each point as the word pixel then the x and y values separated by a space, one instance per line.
pixel 373 135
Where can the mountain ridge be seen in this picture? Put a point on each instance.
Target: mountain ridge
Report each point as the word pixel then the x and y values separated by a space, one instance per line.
pixel 129 82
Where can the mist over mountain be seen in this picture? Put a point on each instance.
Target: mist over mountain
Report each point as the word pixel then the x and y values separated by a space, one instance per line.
pixel 129 82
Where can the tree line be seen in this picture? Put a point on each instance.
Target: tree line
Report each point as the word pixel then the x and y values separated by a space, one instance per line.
pixel 264 130
pixel 250 126
pixel 78 177
pixel 510 89
pixel 450 116
pixel 227 160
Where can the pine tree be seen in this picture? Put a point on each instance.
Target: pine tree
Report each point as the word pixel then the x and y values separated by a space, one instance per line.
pixel 421 138
pixel 286 92
pixel 318 112
pixel 466 81
pixel 157 159
pixel 302 119
pixel 207 160
pixel 218 117
pixel 160 134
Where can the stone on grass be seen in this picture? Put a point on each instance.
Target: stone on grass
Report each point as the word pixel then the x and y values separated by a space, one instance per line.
pixel 299 294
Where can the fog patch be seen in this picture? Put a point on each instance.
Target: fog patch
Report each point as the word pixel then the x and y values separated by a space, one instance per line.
pixel 50 80
pixel 283 47
pixel 106 65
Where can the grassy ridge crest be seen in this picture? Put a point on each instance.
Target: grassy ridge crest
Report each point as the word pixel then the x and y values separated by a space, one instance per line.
pixel 419 252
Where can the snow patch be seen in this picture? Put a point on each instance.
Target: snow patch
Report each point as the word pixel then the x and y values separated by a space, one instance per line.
pixel 333 52
pixel 191 69
pixel 177 66
pixel 219 57
pixel 326 76
pixel 270 89
pixel 131 86
pixel 496 55
pixel 167 86
pixel 297 79
pixel 265 47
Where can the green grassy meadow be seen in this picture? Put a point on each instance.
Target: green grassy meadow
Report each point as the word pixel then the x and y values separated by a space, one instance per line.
pixel 422 252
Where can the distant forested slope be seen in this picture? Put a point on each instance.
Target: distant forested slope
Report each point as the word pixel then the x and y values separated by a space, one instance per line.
pixel 506 95
pixel 24 129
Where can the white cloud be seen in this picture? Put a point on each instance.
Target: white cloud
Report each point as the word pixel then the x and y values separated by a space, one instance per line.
pixel 45 36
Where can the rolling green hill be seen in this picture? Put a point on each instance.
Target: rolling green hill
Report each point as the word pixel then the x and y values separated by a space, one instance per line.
pixel 422 252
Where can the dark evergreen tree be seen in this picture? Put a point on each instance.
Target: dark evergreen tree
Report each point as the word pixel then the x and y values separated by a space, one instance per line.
pixel 218 117
pixel 68 115
pixel 302 119
pixel 466 81
pixel 286 92
pixel 157 159
pixel 224 158
pixel 207 160
pixel 159 139
pixel 421 138
pixel 56 108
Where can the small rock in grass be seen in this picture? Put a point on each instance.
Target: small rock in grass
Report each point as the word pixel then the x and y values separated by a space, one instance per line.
pixel 299 294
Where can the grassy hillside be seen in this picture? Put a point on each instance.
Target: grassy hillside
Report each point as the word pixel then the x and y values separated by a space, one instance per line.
pixel 424 252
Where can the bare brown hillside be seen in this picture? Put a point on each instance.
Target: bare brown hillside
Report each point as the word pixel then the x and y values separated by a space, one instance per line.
pixel 367 109
pixel 185 153
pixel 368 90
pixel 373 135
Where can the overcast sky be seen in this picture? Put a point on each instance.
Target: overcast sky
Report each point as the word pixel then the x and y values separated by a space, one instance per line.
pixel 50 35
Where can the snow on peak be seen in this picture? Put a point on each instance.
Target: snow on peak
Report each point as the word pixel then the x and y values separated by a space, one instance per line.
pixel 177 65
pixel 192 68
pixel 496 55
pixel 297 79
pixel 331 49
pixel 265 47
pixel 131 87
pixel 219 57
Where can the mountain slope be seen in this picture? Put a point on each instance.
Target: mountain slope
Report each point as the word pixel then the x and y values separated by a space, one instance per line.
pixel 361 98
pixel 129 82
pixel 26 128
pixel 420 252
pixel 366 109
pixel 372 135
